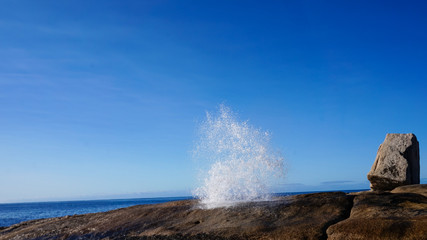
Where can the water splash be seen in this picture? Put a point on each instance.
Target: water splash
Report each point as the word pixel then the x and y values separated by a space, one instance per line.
pixel 242 165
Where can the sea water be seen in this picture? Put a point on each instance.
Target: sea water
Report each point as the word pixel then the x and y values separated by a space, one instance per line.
pixel 237 161
pixel 12 213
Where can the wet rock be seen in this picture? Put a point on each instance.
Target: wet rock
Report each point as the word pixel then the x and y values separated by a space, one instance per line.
pixel 293 217
pixel 397 163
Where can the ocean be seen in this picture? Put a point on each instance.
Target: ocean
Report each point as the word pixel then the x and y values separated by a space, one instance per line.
pixel 12 213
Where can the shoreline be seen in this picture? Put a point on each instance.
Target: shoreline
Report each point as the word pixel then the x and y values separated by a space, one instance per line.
pixel 21 207
pixel 332 215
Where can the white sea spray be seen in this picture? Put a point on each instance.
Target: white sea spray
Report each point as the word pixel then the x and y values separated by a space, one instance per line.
pixel 241 163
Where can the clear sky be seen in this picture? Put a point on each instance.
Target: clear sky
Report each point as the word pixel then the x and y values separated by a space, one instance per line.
pixel 102 98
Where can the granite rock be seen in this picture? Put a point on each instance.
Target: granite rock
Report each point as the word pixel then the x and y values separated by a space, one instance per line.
pixel 397 163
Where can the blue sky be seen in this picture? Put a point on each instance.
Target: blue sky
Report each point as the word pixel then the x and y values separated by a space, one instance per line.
pixel 101 100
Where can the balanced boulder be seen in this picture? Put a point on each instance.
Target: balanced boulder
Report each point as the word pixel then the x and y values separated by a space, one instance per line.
pixel 397 163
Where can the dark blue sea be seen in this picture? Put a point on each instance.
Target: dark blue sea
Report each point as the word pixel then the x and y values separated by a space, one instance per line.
pixel 12 213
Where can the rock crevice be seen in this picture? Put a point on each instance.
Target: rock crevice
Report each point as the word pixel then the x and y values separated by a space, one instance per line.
pixel 346 215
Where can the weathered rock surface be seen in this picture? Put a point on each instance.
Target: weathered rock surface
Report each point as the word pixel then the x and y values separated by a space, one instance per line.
pixel 294 217
pixel 397 163
pixel 336 215
pixel 416 188
pixel 385 216
pixel 400 214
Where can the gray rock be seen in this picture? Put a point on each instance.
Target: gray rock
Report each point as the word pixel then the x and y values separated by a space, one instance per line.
pixel 397 163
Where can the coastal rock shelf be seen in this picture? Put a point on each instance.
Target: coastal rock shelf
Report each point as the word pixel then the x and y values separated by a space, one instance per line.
pixel 393 209
pixel 401 215
pixel 334 215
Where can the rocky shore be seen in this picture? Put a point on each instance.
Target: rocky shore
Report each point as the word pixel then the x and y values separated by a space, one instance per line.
pixel 395 208
pixel 401 214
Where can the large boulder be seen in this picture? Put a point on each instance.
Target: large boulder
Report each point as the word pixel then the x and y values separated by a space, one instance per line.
pixel 397 163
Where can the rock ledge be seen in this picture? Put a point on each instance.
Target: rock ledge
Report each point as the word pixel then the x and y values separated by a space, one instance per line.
pixel 333 215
